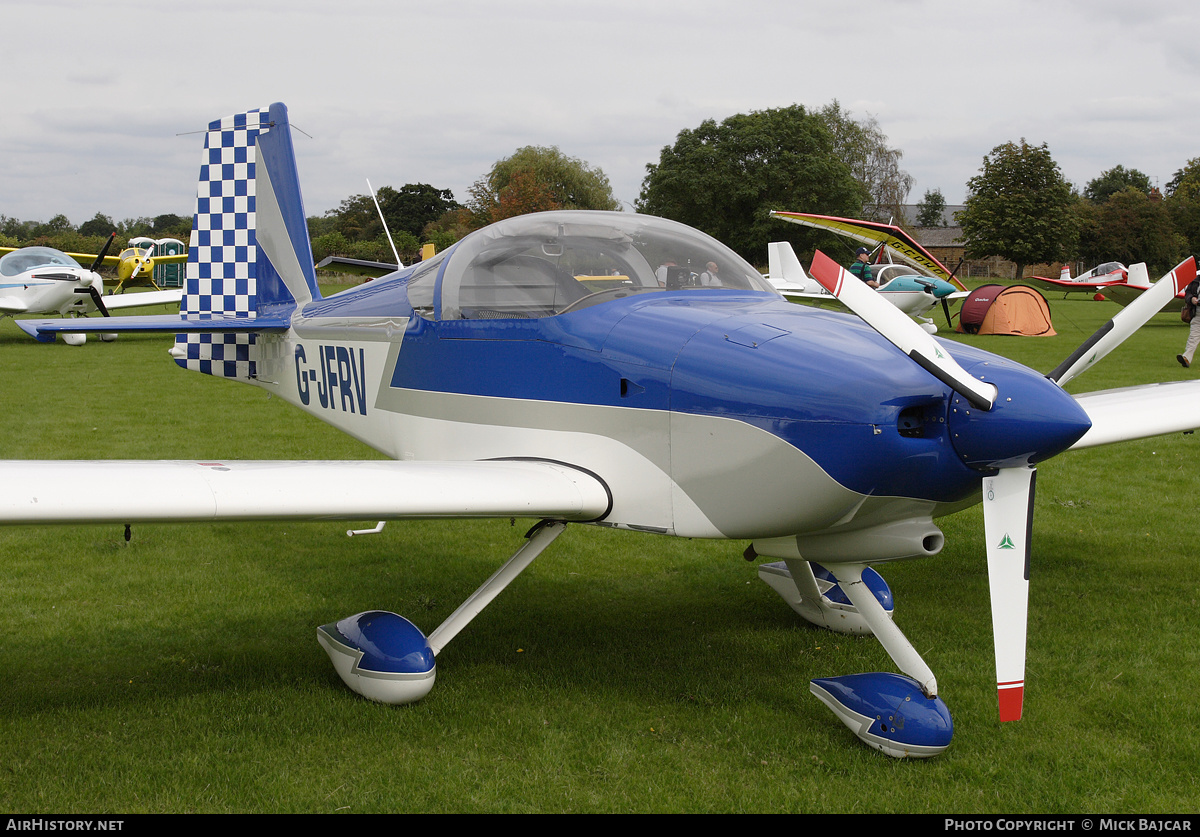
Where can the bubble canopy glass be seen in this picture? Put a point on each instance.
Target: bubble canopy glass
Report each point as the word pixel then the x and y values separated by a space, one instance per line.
pixel 551 263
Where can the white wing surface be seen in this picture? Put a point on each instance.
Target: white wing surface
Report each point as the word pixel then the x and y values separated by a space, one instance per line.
pixel 38 492
pixel 1120 415
pixel 115 302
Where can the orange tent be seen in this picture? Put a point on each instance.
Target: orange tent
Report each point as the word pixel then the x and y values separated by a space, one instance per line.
pixel 997 309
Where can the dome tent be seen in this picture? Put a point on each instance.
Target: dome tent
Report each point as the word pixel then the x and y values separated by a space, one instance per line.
pixel 1000 309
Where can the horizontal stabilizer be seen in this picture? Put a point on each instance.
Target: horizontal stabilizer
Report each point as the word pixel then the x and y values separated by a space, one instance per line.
pixel 44 330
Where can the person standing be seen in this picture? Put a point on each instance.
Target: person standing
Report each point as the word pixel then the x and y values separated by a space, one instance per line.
pixel 862 267
pixel 1191 298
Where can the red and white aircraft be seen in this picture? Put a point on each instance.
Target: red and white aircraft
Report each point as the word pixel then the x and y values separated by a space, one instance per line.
pixel 1097 279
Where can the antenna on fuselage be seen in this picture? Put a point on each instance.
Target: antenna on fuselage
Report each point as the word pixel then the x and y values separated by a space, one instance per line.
pixel 385 226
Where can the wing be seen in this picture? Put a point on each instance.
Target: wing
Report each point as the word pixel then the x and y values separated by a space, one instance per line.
pixel 41 492
pixel 87 258
pixel 356 267
pixel 1120 415
pixel 1074 285
pixel 116 302
pixel 897 240
pixel 1126 294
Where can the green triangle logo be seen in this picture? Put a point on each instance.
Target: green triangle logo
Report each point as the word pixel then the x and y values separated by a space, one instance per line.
pixel 1006 543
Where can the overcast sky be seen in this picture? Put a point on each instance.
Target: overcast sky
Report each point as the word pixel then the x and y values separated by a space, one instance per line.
pixel 105 100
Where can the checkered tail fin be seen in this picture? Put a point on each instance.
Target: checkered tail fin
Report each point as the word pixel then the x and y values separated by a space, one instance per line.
pixel 249 255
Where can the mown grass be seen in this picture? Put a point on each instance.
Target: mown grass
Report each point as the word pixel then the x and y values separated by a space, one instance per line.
pixel 621 672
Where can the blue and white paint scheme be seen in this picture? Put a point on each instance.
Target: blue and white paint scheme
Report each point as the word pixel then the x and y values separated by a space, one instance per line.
pixel 589 367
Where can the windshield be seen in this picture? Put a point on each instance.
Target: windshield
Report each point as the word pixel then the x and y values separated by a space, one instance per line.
pixel 551 263
pixel 27 258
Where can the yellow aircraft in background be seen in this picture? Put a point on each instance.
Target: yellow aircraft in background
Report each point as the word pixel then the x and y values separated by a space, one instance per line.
pixel 135 264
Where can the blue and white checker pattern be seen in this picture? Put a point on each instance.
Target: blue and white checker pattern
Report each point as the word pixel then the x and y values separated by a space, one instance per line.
pixel 222 252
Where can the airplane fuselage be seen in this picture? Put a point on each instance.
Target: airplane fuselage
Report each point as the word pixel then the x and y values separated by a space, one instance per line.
pixel 41 295
pixel 708 413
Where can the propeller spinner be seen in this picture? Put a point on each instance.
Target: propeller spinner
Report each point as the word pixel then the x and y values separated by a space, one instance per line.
pixel 1002 427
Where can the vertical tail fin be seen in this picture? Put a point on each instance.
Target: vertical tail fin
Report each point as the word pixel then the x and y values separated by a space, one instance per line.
pixel 785 269
pixel 249 253
pixel 1137 275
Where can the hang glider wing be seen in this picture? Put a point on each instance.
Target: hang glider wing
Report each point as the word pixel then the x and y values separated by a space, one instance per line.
pixel 40 492
pixel 900 243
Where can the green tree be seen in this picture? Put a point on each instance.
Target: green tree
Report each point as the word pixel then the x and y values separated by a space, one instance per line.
pixel 1130 226
pixel 414 206
pixel 407 210
pixel 1186 182
pixel 931 211
pixel 534 179
pixel 862 145
pixel 1019 208
pixel 1117 179
pixel 172 226
pixel 725 178
pixel 56 225
pixel 99 225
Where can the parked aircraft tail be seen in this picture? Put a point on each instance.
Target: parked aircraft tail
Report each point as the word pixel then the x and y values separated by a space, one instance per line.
pixel 785 270
pixel 1064 275
pixel 1137 275
pixel 249 258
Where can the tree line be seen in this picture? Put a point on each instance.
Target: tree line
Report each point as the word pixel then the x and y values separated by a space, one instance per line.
pixel 725 177
pixel 1021 208
pixel 90 236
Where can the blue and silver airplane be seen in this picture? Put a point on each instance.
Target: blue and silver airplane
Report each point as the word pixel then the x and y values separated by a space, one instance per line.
pixel 546 367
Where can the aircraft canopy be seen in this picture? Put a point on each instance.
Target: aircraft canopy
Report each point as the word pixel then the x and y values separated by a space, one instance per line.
pixel 545 264
pixel 27 258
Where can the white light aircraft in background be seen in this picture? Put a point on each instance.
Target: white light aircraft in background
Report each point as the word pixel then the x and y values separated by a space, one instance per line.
pixel 914 294
pixel 909 276
pixel 42 280
pixel 539 369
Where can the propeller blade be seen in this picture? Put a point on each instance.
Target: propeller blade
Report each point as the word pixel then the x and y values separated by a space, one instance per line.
pixel 103 252
pixel 91 291
pixel 901 331
pixel 1126 322
pixel 1007 526
pixel 141 262
pixel 946 309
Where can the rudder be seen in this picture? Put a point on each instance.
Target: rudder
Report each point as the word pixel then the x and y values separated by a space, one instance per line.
pixel 249 255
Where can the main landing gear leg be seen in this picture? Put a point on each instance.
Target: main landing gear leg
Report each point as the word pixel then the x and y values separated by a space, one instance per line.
pixel 899 715
pixel 385 657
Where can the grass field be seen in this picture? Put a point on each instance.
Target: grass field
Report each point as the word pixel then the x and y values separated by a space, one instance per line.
pixel 621 672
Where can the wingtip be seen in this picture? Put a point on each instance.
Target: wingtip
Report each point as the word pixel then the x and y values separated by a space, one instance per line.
pixel 827 272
